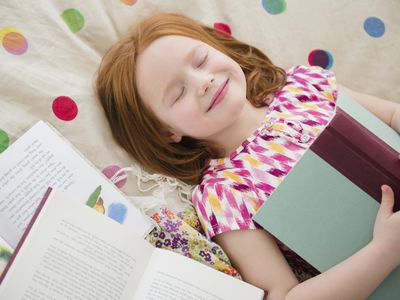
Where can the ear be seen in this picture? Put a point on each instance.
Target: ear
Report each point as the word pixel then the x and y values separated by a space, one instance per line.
pixel 172 137
pixel 176 138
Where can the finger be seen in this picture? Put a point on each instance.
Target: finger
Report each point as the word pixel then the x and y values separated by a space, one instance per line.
pixel 386 208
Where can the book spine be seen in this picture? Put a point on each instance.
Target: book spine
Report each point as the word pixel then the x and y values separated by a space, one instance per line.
pixel 26 233
pixel 359 155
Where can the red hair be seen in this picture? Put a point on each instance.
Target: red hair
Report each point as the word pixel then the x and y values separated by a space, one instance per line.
pixel 137 129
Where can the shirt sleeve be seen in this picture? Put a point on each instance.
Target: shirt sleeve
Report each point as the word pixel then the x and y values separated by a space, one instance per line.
pixel 309 95
pixel 222 208
pixel 319 84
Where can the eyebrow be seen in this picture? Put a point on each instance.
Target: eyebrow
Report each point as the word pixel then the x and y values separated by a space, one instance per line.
pixel 187 59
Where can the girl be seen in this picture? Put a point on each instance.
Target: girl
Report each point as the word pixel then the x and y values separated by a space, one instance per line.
pixel 195 104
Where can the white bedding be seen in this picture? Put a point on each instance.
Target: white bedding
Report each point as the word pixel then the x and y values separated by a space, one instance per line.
pixel 54 61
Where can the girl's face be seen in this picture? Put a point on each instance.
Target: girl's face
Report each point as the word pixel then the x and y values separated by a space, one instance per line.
pixel 191 87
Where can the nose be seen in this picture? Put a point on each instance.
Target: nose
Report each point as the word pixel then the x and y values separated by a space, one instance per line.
pixel 206 81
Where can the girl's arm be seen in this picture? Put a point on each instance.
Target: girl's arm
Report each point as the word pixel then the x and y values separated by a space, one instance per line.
pixel 387 111
pixel 256 256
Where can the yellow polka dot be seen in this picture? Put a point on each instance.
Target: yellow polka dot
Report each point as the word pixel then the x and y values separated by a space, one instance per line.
pixel 232 176
pixel 6 30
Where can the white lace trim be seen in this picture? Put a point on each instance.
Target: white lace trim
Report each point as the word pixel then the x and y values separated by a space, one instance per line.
pixel 161 185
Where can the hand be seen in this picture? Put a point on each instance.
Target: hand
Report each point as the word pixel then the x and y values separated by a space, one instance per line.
pixel 387 226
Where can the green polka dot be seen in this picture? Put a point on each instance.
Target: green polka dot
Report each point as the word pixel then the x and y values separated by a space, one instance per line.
pixel 4 140
pixel 274 7
pixel 74 19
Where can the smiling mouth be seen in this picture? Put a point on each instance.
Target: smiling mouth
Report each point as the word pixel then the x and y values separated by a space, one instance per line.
pixel 219 95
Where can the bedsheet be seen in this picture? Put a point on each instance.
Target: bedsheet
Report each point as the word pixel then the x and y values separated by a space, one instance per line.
pixel 50 51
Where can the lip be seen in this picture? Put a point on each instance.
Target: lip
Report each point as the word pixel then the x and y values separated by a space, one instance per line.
pixel 219 94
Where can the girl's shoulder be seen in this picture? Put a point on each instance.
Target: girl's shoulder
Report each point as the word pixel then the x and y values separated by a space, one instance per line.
pixel 312 79
pixel 311 71
pixel 306 86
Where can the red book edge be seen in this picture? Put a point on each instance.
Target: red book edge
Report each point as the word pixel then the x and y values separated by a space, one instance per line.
pixel 350 141
pixel 27 230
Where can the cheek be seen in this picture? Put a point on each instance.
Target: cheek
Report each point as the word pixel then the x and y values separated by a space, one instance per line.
pixel 240 74
pixel 182 116
pixel 187 114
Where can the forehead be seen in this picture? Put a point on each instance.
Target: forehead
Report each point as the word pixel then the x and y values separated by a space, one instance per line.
pixel 175 43
pixel 161 61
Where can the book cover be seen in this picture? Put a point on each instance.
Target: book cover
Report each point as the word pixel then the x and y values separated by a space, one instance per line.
pixel 325 216
pixel 359 155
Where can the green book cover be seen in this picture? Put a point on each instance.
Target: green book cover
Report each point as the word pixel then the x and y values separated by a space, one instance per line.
pixel 369 121
pixel 322 215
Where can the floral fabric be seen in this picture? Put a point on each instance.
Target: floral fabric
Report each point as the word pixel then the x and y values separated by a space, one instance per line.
pixel 182 233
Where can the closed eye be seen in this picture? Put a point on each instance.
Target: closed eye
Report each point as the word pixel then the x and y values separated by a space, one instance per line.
pixel 180 95
pixel 203 61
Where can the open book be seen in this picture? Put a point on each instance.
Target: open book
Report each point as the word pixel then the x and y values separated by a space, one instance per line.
pixel 70 251
pixel 5 254
pixel 42 158
pixel 325 208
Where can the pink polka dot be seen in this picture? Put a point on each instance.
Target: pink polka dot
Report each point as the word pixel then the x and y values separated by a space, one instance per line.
pixel 109 171
pixel 223 29
pixel 65 108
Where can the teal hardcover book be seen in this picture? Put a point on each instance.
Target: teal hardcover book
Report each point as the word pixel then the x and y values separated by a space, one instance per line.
pixel 321 214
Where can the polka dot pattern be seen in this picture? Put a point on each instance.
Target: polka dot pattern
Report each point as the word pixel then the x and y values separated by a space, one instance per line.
pixel 65 108
pixel 320 58
pixel 74 19
pixel 223 29
pixel 109 171
pixel 374 27
pixel 129 2
pixel 274 7
pixel 13 40
pixel 4 140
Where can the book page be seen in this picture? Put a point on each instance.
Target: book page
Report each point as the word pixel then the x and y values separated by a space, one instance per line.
pixel 72 252
pixel 172 276
pixel 41 158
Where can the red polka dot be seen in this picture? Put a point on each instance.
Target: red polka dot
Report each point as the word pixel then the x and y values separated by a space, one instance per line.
pixel 223 29
pixel 65 108
pixel 320 58
pixel 109 171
